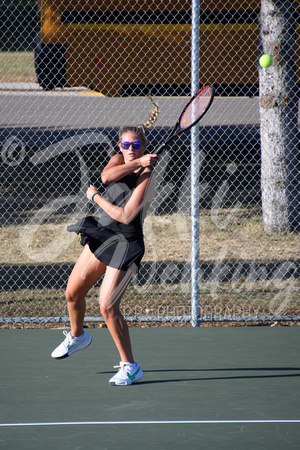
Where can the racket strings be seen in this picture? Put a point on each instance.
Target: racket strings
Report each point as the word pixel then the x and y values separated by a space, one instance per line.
pixel 196 108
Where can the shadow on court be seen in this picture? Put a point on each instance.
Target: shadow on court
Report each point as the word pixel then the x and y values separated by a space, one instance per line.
pixel 203 388
pixel 233 377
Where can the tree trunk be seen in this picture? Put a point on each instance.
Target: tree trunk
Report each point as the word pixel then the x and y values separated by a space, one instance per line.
pixel 278 105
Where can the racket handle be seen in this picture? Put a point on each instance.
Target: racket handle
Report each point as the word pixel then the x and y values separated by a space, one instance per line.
pixel 160 148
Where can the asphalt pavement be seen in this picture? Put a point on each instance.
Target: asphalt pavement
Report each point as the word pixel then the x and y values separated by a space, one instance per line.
pixel 26 105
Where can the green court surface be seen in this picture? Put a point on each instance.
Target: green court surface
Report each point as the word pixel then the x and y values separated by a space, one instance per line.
pixel 204 388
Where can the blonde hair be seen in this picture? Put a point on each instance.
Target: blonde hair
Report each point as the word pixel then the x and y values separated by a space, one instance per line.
pixel 139 131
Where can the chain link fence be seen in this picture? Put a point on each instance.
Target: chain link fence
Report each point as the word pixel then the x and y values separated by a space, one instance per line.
pixel 72 73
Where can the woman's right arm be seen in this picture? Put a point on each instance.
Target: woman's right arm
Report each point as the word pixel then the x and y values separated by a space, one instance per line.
pixel 141 195
pixel 116 169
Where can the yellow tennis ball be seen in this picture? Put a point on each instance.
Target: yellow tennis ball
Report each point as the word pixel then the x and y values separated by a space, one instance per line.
pixel 265 61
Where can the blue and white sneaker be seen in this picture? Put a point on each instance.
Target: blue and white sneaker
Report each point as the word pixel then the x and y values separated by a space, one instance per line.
pixel 71 345
pixel 128 373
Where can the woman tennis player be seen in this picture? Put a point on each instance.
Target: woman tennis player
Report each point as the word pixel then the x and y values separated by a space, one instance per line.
pixel 113 247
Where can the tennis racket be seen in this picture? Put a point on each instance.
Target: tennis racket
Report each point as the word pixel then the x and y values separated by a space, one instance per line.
pixel 196 108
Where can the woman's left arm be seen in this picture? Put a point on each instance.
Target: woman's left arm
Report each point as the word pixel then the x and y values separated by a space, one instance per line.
pixel 142 194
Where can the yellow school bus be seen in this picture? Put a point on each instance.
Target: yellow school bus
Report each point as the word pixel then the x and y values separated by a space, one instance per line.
pixel 139 47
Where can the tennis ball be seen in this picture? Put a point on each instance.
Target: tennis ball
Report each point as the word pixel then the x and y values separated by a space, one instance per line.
pixel 265 61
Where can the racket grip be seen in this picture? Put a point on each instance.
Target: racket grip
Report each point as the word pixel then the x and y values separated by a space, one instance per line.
pixel 160 148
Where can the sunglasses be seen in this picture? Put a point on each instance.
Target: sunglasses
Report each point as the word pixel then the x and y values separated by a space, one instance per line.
pixel 135 145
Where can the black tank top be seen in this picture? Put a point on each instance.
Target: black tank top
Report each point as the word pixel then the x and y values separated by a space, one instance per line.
pixel 118 194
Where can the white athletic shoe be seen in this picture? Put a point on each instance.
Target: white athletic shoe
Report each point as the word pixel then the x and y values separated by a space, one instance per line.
pixel 71 345
pixel 128 373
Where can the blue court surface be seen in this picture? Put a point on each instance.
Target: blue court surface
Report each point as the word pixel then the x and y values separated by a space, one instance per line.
pixel 213 388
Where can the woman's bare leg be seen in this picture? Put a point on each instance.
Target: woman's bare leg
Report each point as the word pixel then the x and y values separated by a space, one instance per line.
pixel 113 287
pixel 85 274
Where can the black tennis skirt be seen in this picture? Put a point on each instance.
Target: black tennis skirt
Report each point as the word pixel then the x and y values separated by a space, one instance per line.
pixel 111 248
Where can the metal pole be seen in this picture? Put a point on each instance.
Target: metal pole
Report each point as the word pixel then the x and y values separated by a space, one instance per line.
pixel 195 169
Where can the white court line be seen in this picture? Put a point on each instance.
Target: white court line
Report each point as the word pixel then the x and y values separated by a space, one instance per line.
pixel 149 422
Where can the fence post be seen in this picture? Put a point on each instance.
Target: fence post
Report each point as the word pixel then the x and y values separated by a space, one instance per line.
pixel 195 164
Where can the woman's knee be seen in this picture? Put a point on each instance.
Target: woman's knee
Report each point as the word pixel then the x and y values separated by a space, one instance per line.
pixel 72 296
pixel 109 312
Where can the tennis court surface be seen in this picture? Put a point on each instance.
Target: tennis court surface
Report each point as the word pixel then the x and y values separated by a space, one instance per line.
pixel 203 388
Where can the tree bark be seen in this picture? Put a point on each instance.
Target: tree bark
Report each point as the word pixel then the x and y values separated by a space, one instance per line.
pixel 278 105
